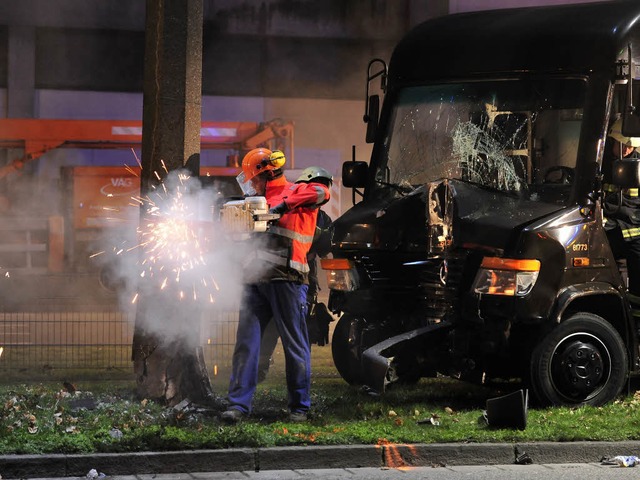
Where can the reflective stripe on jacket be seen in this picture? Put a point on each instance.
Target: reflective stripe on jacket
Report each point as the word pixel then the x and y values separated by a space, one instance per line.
pixel 293 234
pixel 610 188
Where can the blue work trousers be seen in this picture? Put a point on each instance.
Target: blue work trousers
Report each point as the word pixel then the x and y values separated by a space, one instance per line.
pixel 285 304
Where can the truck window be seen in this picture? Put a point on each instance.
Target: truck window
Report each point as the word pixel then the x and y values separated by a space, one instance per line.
pixel 516 136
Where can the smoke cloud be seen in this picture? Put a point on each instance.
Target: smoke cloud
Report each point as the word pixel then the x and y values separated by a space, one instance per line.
pixel 176 257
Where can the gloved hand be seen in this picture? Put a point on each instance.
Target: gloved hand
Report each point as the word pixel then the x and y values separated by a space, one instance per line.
pixel 279 209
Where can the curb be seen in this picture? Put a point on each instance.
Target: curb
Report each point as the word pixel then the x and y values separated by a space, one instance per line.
pixel 286 458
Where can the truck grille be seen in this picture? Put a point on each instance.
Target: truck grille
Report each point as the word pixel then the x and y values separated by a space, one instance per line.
pixel 440 285
pixel 434 283
pixel 389 271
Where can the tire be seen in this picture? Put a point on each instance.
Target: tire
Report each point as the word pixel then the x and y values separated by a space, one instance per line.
pixel 346 350
pixel 583 361
pixel 347 345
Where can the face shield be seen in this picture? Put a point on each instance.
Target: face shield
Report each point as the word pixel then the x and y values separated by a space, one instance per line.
pixel 245 185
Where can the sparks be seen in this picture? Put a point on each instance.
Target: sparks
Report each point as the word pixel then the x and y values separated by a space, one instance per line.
pixel 172 244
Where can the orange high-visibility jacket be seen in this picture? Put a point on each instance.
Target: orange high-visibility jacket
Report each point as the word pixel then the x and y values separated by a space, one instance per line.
pixel 293 233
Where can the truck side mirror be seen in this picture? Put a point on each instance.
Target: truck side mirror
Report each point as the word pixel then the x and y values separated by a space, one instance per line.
pixel 626 173
pixel 354 174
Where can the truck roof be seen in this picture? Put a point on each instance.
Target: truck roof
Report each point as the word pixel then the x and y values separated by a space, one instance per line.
pixel 579 38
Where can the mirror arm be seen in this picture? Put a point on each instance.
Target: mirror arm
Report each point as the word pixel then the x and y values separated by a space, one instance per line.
pixel 354 190
pixel 382 73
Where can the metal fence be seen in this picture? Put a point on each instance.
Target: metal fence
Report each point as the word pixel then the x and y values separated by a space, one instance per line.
pixel 93 339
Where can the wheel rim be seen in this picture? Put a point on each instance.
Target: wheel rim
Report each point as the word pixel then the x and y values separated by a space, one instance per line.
pixel 580 366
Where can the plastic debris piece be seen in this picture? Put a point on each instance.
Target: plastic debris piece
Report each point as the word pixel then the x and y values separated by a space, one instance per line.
pixel 433 420
pixel 93 473
pixel 524 459
pixel 183 405
pixel 508 411
pixel 621 460
pixel 370 391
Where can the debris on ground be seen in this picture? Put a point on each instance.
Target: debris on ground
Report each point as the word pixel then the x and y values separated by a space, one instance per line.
pixel 93 473
pixel 183 405
pixel 434 420
pixel 621 460
pixel 523 458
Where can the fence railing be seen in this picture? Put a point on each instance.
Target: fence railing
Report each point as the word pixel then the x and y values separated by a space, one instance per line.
pixel 94 339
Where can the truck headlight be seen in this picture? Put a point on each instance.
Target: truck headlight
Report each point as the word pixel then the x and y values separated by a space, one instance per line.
pixel 506 276
pixel 341 274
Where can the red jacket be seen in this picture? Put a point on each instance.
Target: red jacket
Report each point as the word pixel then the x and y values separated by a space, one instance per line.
pixel 291 237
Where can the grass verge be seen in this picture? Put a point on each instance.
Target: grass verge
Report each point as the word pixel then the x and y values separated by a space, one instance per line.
pixel 106 417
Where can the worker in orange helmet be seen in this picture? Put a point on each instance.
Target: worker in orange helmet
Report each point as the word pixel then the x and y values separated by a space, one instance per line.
pixel 318 316
pixel 278 290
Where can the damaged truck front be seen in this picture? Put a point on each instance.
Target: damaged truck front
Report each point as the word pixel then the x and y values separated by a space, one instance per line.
pixel 478 249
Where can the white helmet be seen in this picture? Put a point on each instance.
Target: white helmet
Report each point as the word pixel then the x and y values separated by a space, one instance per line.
pixel 315 174
pixel 616 134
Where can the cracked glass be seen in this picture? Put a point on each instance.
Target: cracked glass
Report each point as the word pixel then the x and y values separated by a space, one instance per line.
pixel 514 136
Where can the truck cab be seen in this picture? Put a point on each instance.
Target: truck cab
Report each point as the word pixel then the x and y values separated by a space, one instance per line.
pixel 477 249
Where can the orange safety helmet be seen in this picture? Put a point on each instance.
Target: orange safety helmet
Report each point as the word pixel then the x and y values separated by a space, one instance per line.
pixel 261 160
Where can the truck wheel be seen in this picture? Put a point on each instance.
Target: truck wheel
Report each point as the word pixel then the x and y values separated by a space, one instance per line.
pixel 583 361
pixel 345 348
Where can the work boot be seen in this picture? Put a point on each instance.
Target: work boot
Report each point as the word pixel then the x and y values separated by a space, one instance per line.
pixel 297 417
pixel 233 415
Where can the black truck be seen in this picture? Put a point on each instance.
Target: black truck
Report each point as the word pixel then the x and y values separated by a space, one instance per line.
pixel 476 249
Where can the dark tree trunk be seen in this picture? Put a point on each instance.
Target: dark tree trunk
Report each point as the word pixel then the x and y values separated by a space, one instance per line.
pixel 168 361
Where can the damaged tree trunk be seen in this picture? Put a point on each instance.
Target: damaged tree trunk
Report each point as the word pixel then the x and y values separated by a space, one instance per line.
pixel 168 361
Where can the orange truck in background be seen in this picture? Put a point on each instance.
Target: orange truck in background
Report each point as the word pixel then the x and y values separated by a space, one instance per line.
pixel 95 198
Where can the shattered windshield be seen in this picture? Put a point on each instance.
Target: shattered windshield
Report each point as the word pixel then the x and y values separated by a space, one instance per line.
pixel 513 136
